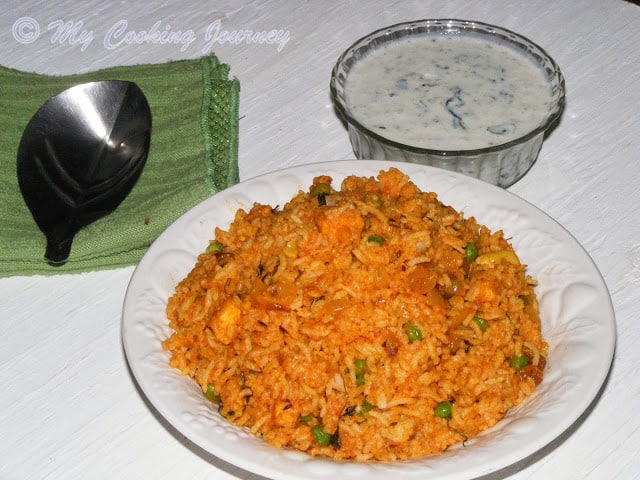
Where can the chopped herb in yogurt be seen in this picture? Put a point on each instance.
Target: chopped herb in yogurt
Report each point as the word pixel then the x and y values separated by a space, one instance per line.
pixel 448 92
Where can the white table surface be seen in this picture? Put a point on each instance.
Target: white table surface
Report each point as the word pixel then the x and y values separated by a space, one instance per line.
pixel 69 407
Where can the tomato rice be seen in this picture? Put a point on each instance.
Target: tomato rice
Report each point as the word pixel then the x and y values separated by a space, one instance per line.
pixel 370 322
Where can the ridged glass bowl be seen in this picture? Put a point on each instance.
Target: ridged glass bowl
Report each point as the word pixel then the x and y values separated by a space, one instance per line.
pixel 500 165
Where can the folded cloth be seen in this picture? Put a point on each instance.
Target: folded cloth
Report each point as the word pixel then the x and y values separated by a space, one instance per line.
pixel 193 154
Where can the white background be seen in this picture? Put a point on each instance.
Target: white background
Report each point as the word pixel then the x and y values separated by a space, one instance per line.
pixel 68 405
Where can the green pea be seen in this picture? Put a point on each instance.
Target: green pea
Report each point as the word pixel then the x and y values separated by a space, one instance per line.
pixel 320 189
pixel 376 200
pixel 321 437
pixel 306 418
pixel 480 322
pixel 444 409
pixel 215 247
pixel 366 407
pixel 413 332
pixel 377 239
pixel 470 252
pixel 210 393
pixel 360 366
pixel 519 362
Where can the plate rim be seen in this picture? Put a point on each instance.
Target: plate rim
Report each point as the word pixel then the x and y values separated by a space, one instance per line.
pixel 343 168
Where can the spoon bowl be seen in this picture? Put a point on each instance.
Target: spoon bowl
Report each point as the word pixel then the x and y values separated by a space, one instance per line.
pixel 79 157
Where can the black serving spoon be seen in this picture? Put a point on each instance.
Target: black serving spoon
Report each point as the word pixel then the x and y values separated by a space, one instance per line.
pixel 80 156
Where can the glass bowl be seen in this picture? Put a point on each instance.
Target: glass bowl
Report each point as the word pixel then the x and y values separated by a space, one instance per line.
pixel 501 164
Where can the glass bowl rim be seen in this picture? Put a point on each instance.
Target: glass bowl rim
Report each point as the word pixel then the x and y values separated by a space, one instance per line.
pixel 444 25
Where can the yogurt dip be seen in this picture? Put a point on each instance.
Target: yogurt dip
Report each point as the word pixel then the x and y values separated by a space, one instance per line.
pixel 447 92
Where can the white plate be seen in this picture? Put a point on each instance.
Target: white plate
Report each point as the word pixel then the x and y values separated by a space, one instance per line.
pixel 576 311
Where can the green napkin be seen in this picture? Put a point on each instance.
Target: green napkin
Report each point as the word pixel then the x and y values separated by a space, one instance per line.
pixel 194 153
